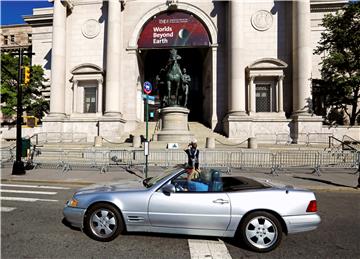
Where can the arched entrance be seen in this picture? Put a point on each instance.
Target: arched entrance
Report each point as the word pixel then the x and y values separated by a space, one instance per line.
pixel 185 32
pixel 192 59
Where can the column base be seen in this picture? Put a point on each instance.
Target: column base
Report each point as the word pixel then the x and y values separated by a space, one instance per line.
pixel 302 124
pixel 56 115
pixel 79 129
pixel 267 128
pixel 237 113
pixel 113 114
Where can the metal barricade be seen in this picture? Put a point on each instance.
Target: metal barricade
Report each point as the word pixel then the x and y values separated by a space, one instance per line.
pixel 7 155
pixel 339 159
pixel 102 159
pixel 252 159
pixel 214 158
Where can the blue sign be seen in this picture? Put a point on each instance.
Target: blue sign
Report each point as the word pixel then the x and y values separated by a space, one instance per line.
pixel 149 97
pixel 147 87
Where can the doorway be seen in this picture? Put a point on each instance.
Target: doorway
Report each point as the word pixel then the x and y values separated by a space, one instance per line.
pixel 193 59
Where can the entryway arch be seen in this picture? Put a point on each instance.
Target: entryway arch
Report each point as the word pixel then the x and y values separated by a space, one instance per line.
pixel 202 57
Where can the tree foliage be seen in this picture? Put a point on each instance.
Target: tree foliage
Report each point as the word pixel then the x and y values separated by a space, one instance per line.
pixel 340 44
pixel 33 103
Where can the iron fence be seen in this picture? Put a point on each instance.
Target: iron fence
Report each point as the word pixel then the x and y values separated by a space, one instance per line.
pixel 102 159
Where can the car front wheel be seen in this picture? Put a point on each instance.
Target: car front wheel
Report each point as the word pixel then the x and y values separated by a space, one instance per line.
pixel 103 222
pixel 261 231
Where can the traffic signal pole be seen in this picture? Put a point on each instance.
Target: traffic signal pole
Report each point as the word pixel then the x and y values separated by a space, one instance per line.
pixel 18 166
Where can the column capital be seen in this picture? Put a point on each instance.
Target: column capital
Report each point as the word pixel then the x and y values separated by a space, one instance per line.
pixel 68 3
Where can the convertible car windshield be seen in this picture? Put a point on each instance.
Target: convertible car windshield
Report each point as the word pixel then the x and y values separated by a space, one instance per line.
pixel 148 182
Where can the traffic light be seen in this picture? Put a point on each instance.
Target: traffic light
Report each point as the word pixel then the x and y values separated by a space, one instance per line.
pixel 26 75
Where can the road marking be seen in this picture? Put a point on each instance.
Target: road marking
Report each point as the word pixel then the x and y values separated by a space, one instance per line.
pixel 28 192
pixel 35 186
pixel 208 249
pixel 25 199
pixel 6 209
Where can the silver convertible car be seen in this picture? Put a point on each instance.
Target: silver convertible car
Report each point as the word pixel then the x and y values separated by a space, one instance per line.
pixel 207 203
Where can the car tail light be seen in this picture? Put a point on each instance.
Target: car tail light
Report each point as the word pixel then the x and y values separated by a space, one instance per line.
pixel 312 207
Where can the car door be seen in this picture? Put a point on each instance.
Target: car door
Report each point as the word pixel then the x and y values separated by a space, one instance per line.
pixel 195 210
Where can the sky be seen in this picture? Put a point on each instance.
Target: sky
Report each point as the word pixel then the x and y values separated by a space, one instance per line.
pixel 13 10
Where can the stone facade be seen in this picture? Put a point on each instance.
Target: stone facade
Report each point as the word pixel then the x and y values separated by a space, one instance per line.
pixel 251 79
pixel 13 36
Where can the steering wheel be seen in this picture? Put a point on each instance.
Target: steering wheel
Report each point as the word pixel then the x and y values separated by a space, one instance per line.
pixel 178 187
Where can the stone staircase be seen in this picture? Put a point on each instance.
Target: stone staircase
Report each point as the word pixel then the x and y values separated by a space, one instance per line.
pixel 200 132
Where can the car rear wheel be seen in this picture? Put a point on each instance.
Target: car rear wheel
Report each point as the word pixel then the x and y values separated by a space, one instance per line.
pixel 103 222
pixel 261 231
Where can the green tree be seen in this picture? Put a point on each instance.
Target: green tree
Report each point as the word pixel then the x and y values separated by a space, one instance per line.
pixel 340 72
pixel 33 102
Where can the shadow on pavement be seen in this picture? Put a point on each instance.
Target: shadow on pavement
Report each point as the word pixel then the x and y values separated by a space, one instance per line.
pixel 322 181
pixel 67 224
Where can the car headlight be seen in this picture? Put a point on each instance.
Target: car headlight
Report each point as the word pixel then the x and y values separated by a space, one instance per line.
pixel 72 202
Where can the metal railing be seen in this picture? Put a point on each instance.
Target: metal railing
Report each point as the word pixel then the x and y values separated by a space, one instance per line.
pixel 7 154
pixel 274 160
pixel 274 138
pixel 340 143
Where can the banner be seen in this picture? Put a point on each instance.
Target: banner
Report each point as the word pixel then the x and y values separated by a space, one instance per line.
pixel 173 29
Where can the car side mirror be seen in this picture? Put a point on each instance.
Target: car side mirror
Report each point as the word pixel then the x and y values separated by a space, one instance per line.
pixel 169 188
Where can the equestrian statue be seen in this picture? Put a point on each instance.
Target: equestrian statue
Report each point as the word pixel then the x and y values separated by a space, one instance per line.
pixel 173 80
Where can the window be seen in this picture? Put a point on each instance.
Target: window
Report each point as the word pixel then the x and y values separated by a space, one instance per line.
pixel 90 100
pixel 12 38
pixel 265 98
pixel 6 40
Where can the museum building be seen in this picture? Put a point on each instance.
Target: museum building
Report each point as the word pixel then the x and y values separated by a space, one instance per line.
pixel 250 62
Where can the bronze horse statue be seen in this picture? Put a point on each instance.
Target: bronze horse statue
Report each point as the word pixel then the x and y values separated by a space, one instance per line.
pixel 169 77
pixel 173 75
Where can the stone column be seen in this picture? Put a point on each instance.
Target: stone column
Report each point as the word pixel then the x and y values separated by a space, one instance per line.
pixel 58 54
pixel 302 54
pixel 252 95
pixel 214 118
pixel 113 55
pixel 280 94
pixel 100 96
pixel 303 122
pixel 75 95
pixel 237 53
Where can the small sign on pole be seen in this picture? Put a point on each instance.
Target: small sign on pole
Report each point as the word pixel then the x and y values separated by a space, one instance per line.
pixel 146 148
pixel 147 87
pixel 147 90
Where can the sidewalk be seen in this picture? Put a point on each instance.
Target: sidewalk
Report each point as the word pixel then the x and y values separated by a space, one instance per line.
pixel 329 180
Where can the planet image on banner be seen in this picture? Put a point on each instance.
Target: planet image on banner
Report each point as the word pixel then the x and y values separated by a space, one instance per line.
pixel 182 38
pixel 183 34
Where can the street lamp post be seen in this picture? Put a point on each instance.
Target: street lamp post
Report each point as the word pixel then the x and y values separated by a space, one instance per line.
pixel 18 166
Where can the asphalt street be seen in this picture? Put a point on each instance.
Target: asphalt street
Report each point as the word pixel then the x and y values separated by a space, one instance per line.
pixel 31 224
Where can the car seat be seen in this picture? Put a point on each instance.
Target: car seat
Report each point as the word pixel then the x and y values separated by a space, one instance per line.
pixel 216 184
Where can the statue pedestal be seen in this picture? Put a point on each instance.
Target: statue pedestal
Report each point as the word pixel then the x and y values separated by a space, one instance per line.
pixel 174 121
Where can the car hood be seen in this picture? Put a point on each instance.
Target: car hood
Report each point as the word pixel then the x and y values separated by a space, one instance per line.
pixel 125 185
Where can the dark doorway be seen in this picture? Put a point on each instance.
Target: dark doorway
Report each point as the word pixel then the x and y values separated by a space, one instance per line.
pixel 193 60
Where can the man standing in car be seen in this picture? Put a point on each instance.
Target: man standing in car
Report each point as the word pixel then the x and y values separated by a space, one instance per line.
pixel 193 155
